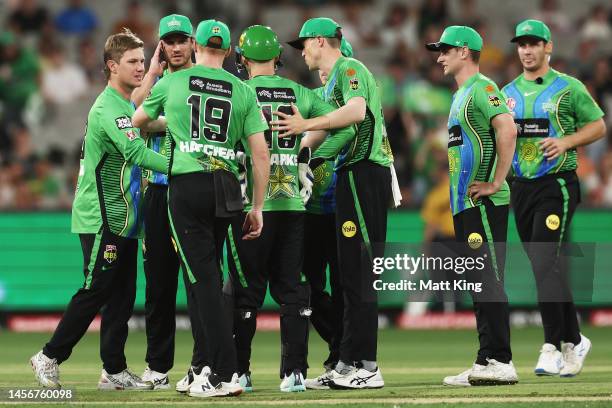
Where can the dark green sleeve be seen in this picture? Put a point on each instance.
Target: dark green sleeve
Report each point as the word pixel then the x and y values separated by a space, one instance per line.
pixel 584 105
pixel 127 140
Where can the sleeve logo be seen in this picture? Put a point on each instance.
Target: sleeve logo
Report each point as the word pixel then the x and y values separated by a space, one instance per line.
pixel 354 83
pixel 131 135
pixel 495 101
pixel 489 88
pixel 350 72
pixel 510 103
pixel 123 122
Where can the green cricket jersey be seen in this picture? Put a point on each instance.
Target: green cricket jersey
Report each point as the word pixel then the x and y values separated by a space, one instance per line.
pixel 323 198
pixel 555 108
pixel 109 185
pixel 347 79
pixel 277 93
pixel 158 142
pixel 472 154
pixel 208 111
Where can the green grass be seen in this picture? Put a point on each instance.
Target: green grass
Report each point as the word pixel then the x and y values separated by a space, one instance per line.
pixel 413 364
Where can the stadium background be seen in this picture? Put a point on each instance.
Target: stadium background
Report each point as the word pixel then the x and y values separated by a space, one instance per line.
pixel 50 73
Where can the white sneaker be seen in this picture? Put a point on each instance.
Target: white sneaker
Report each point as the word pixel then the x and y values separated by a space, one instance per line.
pixel 125 380
pixel 184 383
pixel 293 382
pixel 160 380
pixel 461 379
pixel 205 389
pixel 196 379
pixel 46 370
pixel 245 382
pixel 550 361
pixel 574 356
pixel 357 378
pixel 494 373
pixel 322 382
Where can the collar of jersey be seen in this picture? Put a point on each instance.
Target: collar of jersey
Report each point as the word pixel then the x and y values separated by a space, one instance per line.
pixel 470 81
pixel 116 93
pixel 547 78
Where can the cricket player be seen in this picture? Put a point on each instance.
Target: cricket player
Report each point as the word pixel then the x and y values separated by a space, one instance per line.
pixel 208 111
pixel 363 169
pixel 106 214
pixel 161 263
pixel 277 256
pixel 481 140
pixel 554 113
pixel 320 253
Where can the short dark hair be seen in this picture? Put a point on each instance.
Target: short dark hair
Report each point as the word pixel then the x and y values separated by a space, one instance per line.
pixel 117 44
pixel 334 42
pixel 475 55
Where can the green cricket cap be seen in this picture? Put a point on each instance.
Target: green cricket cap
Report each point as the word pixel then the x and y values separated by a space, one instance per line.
pixel 208 29
pixel 175 24
pixel 457 36
pixel 532 28
pixel 259 43
pixel 317 27
pixel 346 48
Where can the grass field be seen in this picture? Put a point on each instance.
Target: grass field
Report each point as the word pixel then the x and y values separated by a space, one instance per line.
pixel 413 364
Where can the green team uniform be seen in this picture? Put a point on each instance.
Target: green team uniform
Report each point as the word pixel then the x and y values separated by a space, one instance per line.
pixel 555 108
pixel 347 79
pixel 108 190
pixel 159 142
pixel 323 198
pixel 277 93
pixel 208 111
pixel 472 154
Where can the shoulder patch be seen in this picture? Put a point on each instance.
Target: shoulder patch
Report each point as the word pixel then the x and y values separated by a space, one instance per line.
pixel 131 134
pixel 123 122
pixel 494 101
pixel 489 88
pixel 350 72
pixel 354 83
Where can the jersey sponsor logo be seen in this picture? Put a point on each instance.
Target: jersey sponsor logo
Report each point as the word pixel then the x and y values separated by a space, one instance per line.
pixel 131 134
pixel 210 150
pixel 537 127
pixel 210 86
pixel 553 222
pixel 495 101
pixel 123 122
pixel 349 229
pixel 275 95
pixel 510 103
pixel 475 240
pixel 354 83
pixel 282 159
pixel 530 93
pixel 453 162
pixel 455 137
pixel 110 253
pixel 528 152
pixel 350 72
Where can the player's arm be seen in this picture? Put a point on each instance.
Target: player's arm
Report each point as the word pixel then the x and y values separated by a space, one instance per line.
pixel 589 121
pixel 313 139
pixel 152 107
pixel 156 69
pixel 125 137
pixel 156 126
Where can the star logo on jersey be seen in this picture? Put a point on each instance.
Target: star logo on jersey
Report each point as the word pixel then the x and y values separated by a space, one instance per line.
pixel 281 183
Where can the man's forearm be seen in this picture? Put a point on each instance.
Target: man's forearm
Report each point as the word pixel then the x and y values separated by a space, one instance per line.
pixel 587 134
pixel 351 113
pixel 140 94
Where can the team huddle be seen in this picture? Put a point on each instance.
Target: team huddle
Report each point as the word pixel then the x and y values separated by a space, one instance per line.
pixel 285 182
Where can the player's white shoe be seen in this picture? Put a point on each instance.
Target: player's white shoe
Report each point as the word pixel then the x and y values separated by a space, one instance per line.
pixel 573 356
pixel 293 382
pixel 494 373
pixel 550 361
pixel 192 379
pixel 245 382
pixel 205 389
pixel 160 380
pixel 357 378
pixel 322 382
pixel 46 370
pixel 461 379
pixel 125 380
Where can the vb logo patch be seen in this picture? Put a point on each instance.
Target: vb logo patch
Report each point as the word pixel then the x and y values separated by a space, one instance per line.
pixel 475 240
pixel 354 83
pixel 349 229
pixel 494 101
pixel 110 253
pixel 553 222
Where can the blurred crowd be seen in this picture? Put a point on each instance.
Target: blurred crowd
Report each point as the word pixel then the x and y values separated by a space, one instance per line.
pixel 51 69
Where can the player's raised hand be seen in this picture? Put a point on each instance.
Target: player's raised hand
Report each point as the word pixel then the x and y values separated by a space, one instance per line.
pixel 253 224
pixel 553 147
pixel 157 65
pixel 481 189
pixel 288 125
